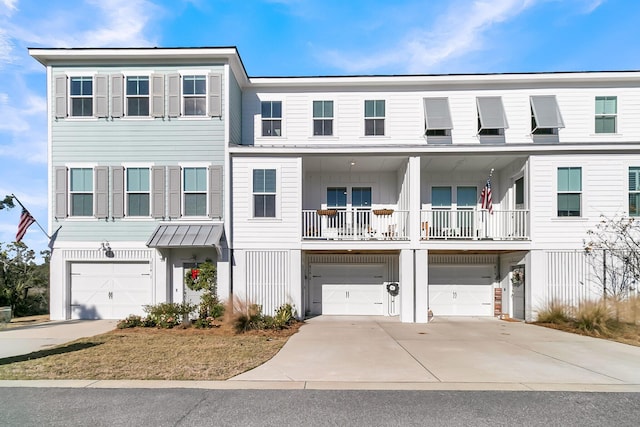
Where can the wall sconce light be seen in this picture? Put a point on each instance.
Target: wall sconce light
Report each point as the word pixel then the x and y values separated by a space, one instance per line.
pixel 106 248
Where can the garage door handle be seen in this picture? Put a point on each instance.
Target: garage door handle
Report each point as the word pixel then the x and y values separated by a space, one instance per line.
pixel 110 295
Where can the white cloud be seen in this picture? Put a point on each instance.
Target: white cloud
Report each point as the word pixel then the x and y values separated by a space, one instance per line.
pixel 8 6
pixel 459 31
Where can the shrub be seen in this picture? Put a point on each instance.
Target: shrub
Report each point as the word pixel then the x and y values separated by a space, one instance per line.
pixel 133 321
pixel 207 323
pixel 210 306
pixel 168 315
pixel 285 316
pixel 554 312
pixel 593 317
pixel 249 319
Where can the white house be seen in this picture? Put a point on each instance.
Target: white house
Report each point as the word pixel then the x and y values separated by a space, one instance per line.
pixel 341 195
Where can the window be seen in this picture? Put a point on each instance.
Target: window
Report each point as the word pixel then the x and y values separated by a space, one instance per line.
pixel 374 118
pixel 322 118
pixel 634 191
pixel 437 117
pixel 264 193
pixel 361 197
pixel 545 115
pixel 606 112
pixel 569 191
pixel 81 191
pixel 194 93
pixel 272 118
pixel 81 93
pixel 466 197
pixel 137 192
pixel 492 119
pixel 195 191
pixel 336 197
pixel 519 196
pixel 137 96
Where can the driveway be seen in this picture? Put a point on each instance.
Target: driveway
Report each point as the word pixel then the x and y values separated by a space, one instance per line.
pixel 449 353
pixel 27 339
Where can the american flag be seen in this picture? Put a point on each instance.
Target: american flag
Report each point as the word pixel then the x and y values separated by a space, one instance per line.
pixel 485 197
pixel 25 221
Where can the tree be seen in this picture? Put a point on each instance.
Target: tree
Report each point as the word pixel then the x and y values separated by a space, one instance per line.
pixel 613 250
pixel 7 202
pixel 18 274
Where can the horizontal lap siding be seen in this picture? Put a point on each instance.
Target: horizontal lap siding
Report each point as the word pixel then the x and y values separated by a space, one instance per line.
pixel 405 116
pixel 267 232
pixel 93 230
pixel 604 192
pixel 235 111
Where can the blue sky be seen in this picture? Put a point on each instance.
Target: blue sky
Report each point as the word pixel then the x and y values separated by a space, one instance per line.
pixel 295 37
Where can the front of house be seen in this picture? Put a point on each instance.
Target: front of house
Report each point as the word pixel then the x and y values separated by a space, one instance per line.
pixel 340 195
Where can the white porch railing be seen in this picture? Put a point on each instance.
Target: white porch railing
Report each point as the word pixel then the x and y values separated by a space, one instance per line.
pixel 474 224
pixel 355 224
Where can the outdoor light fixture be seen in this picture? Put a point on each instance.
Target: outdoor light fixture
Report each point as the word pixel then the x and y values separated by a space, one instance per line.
pixel 106 248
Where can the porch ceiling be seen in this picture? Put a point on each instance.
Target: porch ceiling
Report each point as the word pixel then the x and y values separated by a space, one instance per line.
pixel 353 163
pixel 465 163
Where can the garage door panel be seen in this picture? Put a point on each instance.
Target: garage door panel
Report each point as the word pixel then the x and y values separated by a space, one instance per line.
pixel 342 289
pixel 463 290
pixel 109 290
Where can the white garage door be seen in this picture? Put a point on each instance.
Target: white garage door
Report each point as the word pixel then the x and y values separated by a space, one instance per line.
pixel 461 290
pixel 347 289
pixel 109 290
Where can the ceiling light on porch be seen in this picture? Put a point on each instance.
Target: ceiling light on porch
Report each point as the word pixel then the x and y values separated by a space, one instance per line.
pixel 353 163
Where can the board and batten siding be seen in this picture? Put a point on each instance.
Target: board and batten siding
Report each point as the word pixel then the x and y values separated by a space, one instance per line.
pixel 405 121
pixel 267 232
pixel 604 192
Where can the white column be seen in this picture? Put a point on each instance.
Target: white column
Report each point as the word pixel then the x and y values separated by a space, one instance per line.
pixel 407 286
pixel 535 282
pixel 223 267
pixel 414 200
pixel 422 285
pixel 295 280
pixel 58 287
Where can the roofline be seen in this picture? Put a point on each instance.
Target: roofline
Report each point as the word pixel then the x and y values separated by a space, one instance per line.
pixel 49 56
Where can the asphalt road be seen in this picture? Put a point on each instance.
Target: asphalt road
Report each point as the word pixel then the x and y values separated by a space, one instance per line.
pixel 189 407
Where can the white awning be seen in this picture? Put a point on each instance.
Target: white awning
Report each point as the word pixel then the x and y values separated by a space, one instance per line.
pixel 437 114
pixel 546 112
pixel 186 236
pixel 491 112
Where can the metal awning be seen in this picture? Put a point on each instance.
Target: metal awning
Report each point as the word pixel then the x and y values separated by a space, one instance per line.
pixel 546 112
pixel 186 236
pixel 491 112
pixel 437 114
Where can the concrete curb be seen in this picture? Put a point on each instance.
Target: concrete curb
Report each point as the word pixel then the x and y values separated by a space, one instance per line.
pixel 320 385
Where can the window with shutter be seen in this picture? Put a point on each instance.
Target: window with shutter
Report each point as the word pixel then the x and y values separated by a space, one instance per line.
pixel 634 191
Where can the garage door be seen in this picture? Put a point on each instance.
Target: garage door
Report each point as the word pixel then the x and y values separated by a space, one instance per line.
pixel 109 290
pixel 347 289
pixel 461 290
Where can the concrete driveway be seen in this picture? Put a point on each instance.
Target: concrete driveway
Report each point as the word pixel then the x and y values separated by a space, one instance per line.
pixel 27 339
pixel 454 353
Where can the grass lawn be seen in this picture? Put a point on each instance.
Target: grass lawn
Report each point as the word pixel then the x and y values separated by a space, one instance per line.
pixel 152 354
pixel 624 333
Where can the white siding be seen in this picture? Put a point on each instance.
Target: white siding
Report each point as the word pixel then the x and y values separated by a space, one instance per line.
pixel 281 231
pixel 604 192
pixel 405 117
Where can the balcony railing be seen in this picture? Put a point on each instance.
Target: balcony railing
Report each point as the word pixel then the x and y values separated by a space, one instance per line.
pixel 474 224
pixel 355 224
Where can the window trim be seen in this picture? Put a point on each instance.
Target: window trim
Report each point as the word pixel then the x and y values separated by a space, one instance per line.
pixel 183 192
pixel 568 192
pixel 195 73
pixel 323 118
pixel 126 76
pixel 606 115
pixel 70 77
pixel 71 193
pixel 375 117
pixel 263 119
pixel 253 193
pixel 127 192
pixel 633 192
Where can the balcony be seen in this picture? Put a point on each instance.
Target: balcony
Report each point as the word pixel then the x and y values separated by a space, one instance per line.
pixel 355 224
pixel 474 224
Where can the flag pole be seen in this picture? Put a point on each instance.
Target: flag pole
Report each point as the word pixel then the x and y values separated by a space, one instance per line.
pixel 34 219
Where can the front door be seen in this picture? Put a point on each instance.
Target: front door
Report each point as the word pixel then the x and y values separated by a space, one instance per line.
pixel 518 291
